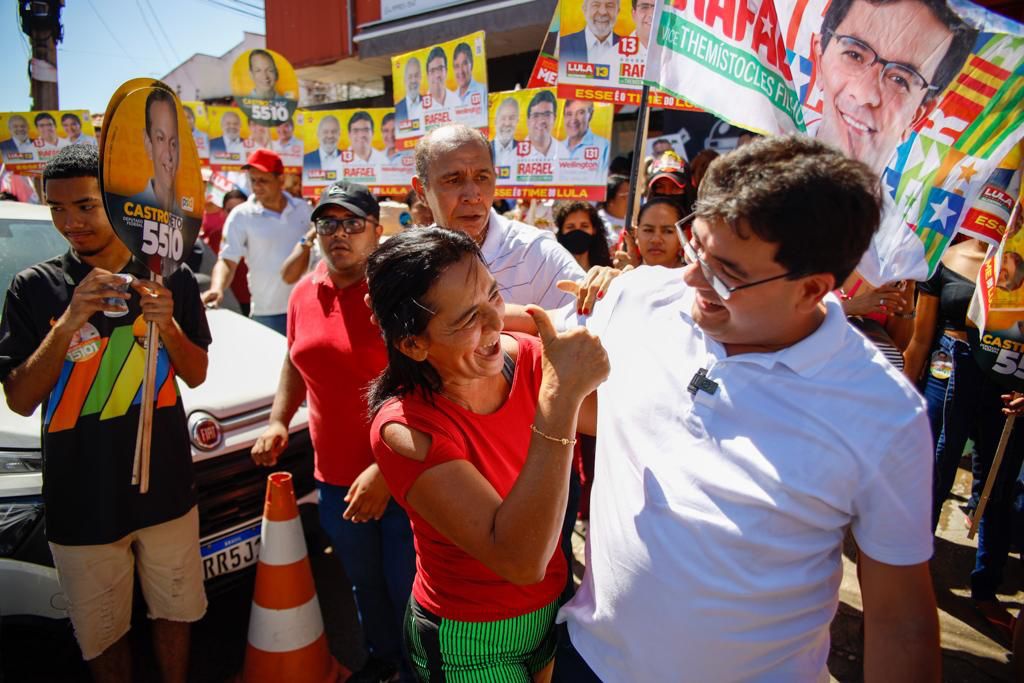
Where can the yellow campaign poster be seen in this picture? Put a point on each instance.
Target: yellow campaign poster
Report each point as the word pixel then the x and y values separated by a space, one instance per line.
pixel 440 84
pixel 199 124
pixel 265 87
pixel 357 145
pixel 151 177
pixel 228 131
pixel 28 139
pixel 546 147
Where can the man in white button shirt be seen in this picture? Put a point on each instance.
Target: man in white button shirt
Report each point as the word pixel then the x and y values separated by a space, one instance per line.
pixel 744 428
pixel 263 231
pixel 597 43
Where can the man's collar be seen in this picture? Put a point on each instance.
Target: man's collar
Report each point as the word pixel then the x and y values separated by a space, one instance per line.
pixel 75 269
pixel 592 37
pixel 333 153
pixel 320 275
pixel 496 227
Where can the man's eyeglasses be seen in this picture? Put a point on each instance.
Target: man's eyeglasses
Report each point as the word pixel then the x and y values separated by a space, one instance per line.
pixel 328 226
pixel 723 290
pixel 898 79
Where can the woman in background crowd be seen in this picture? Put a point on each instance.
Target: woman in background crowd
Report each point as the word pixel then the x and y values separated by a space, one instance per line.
pixel 657 240
pixel 579 229
pixel 964 402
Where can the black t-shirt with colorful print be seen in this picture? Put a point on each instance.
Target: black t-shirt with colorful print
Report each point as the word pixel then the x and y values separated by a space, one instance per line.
pixel 91 416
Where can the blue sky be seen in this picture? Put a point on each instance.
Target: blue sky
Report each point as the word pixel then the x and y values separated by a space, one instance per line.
pixel 92 64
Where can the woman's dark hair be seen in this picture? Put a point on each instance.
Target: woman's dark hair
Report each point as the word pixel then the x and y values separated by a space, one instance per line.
pixel 400 273
pixel 670 201
pixel 598 253
pixel 233 193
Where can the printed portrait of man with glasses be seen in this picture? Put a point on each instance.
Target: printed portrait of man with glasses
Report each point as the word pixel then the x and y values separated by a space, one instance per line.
pixel 881 67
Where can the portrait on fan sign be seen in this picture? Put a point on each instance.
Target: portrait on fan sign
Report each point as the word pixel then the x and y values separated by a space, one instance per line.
pixel 160 139
pixel 881 67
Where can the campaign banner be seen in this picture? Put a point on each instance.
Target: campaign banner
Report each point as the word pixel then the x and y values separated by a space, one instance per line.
pixel 602 50
pixel 996 314
pixel 548 148
pixel 265 87
pixel 28 139
pixel 358 145
pixel 199 124
pixel 229 133
pixel 927 95
pixel 440 84
pixel 151 177
pixel 545 69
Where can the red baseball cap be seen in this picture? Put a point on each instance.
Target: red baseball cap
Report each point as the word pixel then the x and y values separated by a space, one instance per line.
pixel 265 160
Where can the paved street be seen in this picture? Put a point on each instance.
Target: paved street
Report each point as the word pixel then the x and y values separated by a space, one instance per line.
pixel 972 651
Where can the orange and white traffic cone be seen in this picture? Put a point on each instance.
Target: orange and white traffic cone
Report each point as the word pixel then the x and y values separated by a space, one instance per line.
pixel 286 631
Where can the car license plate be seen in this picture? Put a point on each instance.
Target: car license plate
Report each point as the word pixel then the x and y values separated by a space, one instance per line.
pixel 230 553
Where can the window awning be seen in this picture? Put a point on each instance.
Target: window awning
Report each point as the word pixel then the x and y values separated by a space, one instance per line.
pixel 499 18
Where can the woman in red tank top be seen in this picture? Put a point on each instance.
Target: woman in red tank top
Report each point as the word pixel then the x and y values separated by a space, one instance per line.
pixel 473 432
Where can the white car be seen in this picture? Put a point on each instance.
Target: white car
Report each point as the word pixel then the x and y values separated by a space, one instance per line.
pixel 225 416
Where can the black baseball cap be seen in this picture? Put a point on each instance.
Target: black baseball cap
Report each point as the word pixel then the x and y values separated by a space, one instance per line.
pixel 352 196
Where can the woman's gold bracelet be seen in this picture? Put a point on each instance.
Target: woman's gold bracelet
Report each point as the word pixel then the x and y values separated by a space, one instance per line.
pixel 564 442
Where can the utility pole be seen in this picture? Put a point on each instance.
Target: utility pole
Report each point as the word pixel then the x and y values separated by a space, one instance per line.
pixel 40 21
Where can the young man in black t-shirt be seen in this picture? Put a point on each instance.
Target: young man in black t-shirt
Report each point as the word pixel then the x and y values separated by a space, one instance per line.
pixel 65 346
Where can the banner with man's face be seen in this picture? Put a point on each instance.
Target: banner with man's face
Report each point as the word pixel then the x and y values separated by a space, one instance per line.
pixel 265 87
pixel 229 134
pixel 199 124
pixel 602 50
pixel 28 139
pixel 357 145
pixel 438 85
pixel 151 178
pixel 996 314
pixel 548 148
pixel 927 93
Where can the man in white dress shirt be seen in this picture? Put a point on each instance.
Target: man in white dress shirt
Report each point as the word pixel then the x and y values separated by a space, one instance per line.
pixel 597 43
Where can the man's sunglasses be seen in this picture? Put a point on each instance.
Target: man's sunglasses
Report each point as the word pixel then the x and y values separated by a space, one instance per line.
pixel 328 226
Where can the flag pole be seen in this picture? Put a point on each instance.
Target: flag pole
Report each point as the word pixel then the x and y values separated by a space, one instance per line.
pixel 993 472
pixel 640 142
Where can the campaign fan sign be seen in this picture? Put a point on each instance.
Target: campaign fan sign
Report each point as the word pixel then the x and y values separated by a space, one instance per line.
pixel 438 85
pixel 357 145
pixel 151 177
pixel 265 87
pixel 199 124
pixel 548 148
pixel 996 313
pixel 28 139
pixel 927 95
pixel 602 50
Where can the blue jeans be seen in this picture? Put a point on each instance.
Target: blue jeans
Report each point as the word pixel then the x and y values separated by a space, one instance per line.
pixel 278 322
pixel 966 405
pixel 379 560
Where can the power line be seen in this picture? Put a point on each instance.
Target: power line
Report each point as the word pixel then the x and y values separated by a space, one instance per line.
pixel 223 4
pixel 160 26
pixel 152 33
pixel 113 38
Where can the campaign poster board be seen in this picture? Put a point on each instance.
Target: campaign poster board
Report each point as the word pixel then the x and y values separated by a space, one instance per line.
pixel 602 52
pixel 996 314
pixel 28 139
pixel 229 132
pixel 440 84
pixel 151 177
pixel 357 145
pixel 548 148
pixel 265 87
pixel 939 110
pixel 545 69
pixel 199 124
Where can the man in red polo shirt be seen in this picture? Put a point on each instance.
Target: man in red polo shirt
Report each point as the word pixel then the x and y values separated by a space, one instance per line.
pixel 333 353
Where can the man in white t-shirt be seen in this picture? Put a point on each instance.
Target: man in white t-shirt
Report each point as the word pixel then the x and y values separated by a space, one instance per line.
pixel 263 231
pixel 744 428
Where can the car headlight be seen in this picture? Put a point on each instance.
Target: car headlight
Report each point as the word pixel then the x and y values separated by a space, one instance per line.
pixel 20 462
pixel 16 522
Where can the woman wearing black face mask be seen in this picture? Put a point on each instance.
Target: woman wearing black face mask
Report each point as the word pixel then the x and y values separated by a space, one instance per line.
pixel 581 231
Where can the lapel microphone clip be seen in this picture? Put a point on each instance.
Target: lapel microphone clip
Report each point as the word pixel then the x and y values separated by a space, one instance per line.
pixel 700 382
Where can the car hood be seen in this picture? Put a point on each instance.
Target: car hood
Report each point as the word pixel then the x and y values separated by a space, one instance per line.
pixel 245 364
